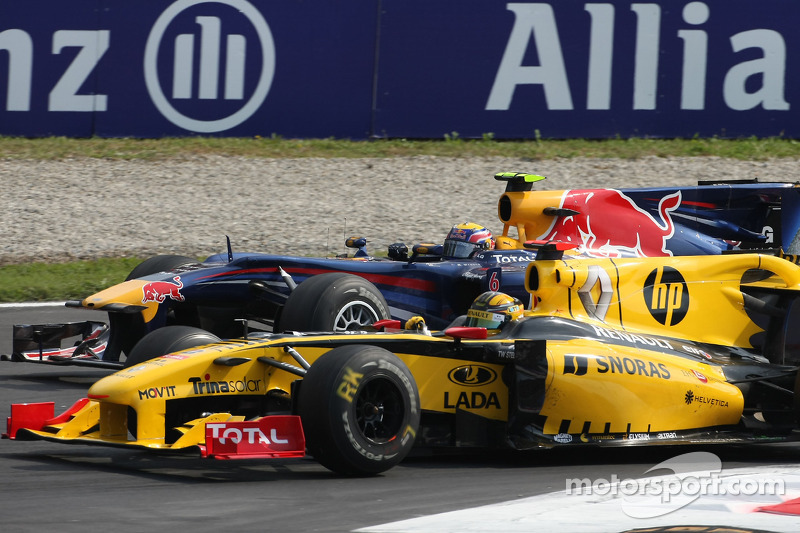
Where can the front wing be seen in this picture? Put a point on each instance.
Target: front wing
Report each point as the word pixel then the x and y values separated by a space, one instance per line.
pixel 219 435
pixel 86 343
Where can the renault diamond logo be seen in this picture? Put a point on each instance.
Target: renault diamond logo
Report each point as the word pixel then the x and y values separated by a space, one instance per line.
pixel 204 62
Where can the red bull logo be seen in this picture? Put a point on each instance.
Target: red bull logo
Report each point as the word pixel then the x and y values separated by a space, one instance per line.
pixel 610 224
pixel 158 291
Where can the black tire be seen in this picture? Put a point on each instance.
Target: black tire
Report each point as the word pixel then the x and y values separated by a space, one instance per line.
pixel 360 410
pixel 336 301
pixel 167 340
pixel 159 263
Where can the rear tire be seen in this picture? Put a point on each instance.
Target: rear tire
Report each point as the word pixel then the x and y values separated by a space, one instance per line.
pixel 167 340
pixel 360 410
pixel 336 301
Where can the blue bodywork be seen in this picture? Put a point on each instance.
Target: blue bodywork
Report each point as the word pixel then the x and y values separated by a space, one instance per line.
pixel 438 289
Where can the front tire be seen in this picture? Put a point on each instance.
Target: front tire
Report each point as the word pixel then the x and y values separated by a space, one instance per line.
pixel 161 342
pixel 360 410
pixel 167 340
pixel 335 301
pixel 159 263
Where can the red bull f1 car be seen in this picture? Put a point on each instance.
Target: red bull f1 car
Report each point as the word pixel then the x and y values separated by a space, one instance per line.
pixel 640 351
pixel 438 282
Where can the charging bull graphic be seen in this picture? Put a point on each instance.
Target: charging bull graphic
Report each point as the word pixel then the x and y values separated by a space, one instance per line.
pixel 608 223
pixel 158 291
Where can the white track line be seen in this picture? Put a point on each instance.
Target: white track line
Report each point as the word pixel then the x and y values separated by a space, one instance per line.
pixel 32 304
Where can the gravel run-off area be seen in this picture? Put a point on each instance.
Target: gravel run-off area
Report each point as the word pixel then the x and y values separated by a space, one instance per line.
pixel 90 208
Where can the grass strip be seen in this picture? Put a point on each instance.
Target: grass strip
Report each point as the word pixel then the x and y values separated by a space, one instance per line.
pixel 40 282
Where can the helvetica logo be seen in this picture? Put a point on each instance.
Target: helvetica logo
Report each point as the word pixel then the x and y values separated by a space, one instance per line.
pixel 207 64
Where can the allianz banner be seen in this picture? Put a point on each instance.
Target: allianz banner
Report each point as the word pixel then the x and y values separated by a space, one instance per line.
pixel 399 68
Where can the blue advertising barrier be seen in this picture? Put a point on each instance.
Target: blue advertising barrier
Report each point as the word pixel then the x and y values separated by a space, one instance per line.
pixel 399 68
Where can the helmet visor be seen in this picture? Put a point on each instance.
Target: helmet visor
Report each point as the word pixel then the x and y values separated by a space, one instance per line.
pixel 459 249
pixel 484 319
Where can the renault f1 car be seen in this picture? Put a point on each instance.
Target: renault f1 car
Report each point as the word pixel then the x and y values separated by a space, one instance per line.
pixel 280 293
pixel 616 352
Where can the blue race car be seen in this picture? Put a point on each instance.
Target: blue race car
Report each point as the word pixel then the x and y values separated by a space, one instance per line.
pixel 228 293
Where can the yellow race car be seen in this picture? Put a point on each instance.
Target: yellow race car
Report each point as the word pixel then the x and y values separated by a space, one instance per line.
pixel 614 352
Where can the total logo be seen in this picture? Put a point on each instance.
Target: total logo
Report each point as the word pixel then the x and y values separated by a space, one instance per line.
pixel 196 54
pixel 249 435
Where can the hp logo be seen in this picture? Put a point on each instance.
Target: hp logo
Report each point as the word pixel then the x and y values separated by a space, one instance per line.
pixel 202 57
pixel 666 295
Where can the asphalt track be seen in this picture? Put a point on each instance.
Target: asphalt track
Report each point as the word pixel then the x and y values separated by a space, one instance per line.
pixel 55 487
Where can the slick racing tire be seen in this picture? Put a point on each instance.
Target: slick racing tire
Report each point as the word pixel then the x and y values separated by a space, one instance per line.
pixel 335 301
pixel 167 340
pixel 360 410
pixel 158 263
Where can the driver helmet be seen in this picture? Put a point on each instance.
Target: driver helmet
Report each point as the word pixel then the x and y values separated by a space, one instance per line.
pixel 464 239
pixel 493 310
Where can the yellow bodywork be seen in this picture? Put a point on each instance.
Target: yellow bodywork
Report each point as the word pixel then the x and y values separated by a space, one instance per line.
pixel 195 373
pixel 125 293
pixel 695 298
pixel 622 391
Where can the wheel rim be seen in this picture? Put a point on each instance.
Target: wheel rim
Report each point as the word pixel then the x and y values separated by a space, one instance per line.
pixel 380 410
pixel 354 316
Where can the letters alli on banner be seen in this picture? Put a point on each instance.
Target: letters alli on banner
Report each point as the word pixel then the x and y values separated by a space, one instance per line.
pixel 537 21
